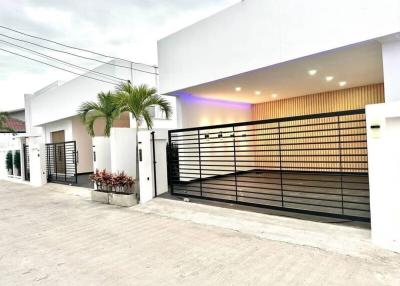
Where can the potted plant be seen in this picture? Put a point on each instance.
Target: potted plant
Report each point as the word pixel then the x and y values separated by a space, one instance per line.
pixel 122 191
pixel 102 186
pixel 116 189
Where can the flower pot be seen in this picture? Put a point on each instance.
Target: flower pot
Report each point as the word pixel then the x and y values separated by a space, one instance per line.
pixel 100 196
pixel 122 200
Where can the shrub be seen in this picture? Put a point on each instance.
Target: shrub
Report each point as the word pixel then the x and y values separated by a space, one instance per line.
pixel 9 161
pixel 112 183
pixel 17 162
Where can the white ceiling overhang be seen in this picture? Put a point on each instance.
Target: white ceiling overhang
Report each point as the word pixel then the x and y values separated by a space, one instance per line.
pixel 357 65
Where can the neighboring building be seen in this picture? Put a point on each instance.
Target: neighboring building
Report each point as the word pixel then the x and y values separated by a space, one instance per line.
pixel 51 118
pixel 286 63
pixel 10 145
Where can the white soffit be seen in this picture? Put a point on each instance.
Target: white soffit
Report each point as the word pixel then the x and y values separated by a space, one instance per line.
pixel 357 65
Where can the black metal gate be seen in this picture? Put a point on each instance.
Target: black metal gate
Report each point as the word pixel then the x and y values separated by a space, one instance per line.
pixel 61 162
pixel 314 164
pixel 27 167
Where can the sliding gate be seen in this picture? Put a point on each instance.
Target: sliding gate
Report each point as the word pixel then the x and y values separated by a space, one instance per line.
pixel 314 164
pixel 61 162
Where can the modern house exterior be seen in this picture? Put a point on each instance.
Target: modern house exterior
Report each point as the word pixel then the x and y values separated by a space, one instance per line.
pixel 71 153
pixel 290 105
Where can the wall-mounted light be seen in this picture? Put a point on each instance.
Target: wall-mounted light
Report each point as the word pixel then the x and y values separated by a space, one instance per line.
pixel 257 92
pixel 329 78
pixel 343 83
pixel 237 89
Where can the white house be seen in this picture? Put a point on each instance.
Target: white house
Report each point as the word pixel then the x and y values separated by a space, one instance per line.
pixel 290 64
pixel 71 154
pixel 11 162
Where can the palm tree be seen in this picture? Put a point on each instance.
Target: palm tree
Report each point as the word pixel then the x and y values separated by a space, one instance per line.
pixel 137 100
pixel 106 108
pixel 3 121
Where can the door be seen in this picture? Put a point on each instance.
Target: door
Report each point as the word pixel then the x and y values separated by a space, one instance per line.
pixel 59 152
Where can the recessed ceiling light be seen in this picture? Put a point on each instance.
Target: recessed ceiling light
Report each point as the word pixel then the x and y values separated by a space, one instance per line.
pixel 343 83
pixel 238 89
pixel 274 95
pixel 329 78
pixel 257 92
pixel 312 72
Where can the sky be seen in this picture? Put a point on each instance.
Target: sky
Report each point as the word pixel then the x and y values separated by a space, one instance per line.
pixel 121 28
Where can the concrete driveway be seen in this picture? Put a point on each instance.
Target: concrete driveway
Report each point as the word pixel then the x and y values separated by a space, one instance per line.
pixel 55 235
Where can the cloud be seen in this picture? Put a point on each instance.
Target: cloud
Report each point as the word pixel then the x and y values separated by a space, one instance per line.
pixel 123 28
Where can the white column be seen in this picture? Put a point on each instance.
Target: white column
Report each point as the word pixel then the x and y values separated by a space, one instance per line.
pixel 383 123
pixel 37 157
pixel 123 150
pixel 146 174
pixel 391 69
pixel 101 153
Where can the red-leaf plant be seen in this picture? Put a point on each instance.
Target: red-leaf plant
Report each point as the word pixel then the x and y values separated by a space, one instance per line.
pixel 112 183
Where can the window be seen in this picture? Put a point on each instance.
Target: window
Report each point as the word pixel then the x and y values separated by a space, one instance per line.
pixel 156 112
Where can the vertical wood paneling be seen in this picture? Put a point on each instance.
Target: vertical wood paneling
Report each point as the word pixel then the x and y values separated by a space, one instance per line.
pixel 334 101
pixel 331 101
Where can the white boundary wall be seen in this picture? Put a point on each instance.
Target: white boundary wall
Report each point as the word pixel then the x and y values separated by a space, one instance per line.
pixel 384 170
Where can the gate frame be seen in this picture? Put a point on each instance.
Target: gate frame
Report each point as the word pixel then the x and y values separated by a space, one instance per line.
pixel 74 158
pixel 268 121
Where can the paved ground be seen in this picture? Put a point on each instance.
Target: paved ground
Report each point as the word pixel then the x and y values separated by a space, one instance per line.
pixel 56 236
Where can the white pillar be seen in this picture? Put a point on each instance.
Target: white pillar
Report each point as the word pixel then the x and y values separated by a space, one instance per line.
pixel 123 150
pixel 391 69
pixel 37 157
pixel 146 174
pixel 101 153
pixel 383 123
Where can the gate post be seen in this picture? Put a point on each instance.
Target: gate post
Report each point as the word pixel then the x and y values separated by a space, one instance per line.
pixel 38 170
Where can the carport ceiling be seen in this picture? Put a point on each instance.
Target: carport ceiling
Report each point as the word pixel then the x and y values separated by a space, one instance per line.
pixel 357 65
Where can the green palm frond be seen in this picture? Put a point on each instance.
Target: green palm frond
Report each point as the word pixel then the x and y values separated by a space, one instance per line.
pixel 106 107
pixel 138 99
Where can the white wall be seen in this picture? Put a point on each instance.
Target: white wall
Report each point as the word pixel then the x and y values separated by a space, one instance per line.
pixel 101 146
pixel 259 33
pixel 391 69
pixel 123 151
pixel 60 125
pixel 195 111
pixel 384 170
pixel 37 160
pixel 84 146
pixel 62 100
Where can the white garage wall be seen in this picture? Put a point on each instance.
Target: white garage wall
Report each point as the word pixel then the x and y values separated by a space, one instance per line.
pixel 195 111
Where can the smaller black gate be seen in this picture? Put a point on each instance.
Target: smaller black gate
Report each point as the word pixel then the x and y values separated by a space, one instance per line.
pixel 61 162
pixel 27 168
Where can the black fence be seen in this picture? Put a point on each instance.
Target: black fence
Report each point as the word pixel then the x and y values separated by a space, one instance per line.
pixel 27 164
pixel 62 162
pixel 313 164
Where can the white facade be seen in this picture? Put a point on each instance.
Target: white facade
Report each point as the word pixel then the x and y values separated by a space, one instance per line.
pixel 263 50
pixel 254 34
pixel 54 108
pixel 384 170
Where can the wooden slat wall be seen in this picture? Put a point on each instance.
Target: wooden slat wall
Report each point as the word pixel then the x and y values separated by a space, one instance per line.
pixel 340 100
pixel 331 101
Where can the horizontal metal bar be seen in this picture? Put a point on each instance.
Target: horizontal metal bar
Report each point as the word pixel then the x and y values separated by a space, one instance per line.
pixel 294 118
